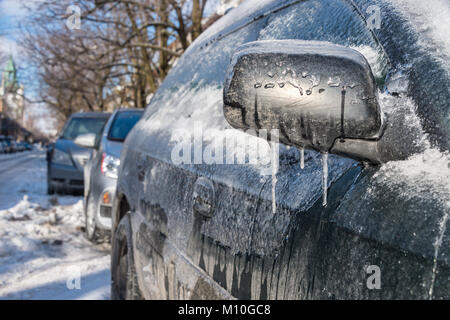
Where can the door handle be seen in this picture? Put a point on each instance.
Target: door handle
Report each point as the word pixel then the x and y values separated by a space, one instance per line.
pixel 204 197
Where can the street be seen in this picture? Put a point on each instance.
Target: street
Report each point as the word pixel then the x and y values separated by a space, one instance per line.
pixel 43 251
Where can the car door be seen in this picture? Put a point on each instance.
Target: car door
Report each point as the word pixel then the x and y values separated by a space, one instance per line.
pixel 94 160
pixel 193 219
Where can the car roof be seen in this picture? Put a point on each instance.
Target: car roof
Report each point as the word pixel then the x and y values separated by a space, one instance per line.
pixel 116 112
pixel 128 110
pixel 91 115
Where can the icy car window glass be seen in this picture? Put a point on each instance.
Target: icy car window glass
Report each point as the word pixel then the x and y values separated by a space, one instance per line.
pixel 122 124
pixel 78 126
pixel 328 20
pixel 203 64
pixel 191 95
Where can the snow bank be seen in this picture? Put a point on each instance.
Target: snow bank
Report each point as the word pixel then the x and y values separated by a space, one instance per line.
pixel 43 251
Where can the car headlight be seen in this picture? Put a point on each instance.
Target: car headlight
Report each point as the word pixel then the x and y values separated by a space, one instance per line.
pixel 110 165
pixel 61 157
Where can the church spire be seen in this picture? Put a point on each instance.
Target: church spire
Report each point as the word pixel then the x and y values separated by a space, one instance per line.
pixel 9 76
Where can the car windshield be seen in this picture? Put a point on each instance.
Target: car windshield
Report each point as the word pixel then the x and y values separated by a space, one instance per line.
pixel 78 126
pixel 122 124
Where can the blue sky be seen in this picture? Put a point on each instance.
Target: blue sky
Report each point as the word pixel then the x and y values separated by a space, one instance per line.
pixel 10 14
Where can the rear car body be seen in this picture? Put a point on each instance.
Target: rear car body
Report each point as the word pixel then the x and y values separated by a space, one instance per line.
pixel 66 160
pixel 200 229
pixel 101 170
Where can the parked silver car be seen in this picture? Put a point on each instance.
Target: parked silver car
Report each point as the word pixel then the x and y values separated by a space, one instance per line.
pixel 66 160
pixel 100 172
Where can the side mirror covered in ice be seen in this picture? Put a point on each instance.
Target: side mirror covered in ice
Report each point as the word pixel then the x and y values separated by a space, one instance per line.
pixel 319 95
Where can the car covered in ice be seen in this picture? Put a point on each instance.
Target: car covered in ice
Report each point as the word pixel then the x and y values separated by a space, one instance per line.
pixel 297 150
pixel 100 171
pixel 65 159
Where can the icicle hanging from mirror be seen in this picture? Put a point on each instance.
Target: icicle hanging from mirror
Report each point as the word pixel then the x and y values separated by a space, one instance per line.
pixel 324 178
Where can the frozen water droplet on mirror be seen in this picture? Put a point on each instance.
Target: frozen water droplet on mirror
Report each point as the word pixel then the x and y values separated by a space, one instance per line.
pixel 324 178
pixel 302 158
pixel 314 81
pixel 334 81
pixel 270 74
pixel 290 72
pixel 258 85
pixel 304 74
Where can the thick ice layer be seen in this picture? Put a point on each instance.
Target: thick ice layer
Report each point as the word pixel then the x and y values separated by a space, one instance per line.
pixel 234 18
pixel 421 174
pixel 301 47
pixel 373 57
pixel 431 20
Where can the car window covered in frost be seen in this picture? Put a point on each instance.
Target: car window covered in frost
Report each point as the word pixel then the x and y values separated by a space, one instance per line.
pixel 191 95
pixel 202 66
pixel 328 20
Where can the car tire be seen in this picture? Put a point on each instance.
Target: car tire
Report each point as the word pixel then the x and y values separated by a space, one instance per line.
pixel 124 284
pixel 50 188
pixel 90 226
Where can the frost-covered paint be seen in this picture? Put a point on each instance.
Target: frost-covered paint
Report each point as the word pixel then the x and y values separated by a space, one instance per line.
pixel 393 216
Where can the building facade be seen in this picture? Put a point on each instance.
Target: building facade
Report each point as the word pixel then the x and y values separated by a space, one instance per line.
pixel 12 102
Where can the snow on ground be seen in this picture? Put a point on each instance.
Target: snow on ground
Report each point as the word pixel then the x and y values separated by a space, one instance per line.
pixel 43 251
